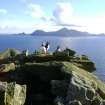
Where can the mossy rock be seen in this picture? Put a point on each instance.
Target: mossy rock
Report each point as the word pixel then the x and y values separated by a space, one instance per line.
pixel 67 80
pixel 43 58
pixel 86 65
pixel 61 75
pixel 12 93
pixel 83 85
pixel 7 67
pixel 9 53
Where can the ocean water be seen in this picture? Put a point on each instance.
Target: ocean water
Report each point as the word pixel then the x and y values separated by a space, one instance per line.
pixel 93 47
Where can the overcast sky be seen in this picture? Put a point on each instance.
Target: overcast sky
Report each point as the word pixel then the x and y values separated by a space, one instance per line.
pixel 28 15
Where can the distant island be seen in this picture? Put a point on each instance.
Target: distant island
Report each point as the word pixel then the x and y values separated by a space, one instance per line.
pixel 62 32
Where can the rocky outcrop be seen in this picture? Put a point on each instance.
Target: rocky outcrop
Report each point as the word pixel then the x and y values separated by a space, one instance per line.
pixel 83 86
pixel 12 93
pixel 50 80
pixel 61 83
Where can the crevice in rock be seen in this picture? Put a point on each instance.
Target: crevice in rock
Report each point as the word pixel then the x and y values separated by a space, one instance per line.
pixel 38 91
pixel 38 80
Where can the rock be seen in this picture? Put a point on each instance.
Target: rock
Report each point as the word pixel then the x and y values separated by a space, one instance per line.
pixel 78 89
pixel 9 52
pixel 59 87
pixel 12 93
pixel 59 101
pixel 103 102
pixel 65 80
pixel 85 64
pixel 75 102
pixel 51 79
pixel 83 85
pixel 97 101
pixel 7 67
pixel 69 52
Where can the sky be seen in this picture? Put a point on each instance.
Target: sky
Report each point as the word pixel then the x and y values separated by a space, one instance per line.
pixel 17 16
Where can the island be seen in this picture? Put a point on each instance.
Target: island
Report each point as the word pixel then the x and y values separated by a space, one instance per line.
pixel 63 32
pixel 57 78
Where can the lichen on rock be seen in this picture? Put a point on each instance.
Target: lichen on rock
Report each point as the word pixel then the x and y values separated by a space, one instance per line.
pixel 12 93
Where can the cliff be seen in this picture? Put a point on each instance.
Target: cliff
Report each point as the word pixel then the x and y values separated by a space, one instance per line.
pixel 52 79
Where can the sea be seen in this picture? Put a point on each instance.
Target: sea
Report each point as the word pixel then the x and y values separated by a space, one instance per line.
pixel 92 46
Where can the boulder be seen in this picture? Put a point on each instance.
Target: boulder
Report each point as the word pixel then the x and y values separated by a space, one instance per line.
pixel 12 93
pixel 9 53
pixel 7 67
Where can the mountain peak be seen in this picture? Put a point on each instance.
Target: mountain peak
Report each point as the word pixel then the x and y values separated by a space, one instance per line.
pixel 61 32
pixel 64 29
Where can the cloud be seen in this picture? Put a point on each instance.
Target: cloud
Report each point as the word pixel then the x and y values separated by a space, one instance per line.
pixel 63 16
pixel 35 11
pixel 14 26
pixel 3 11
pixel 90 24
pixel 63 13
pixel 96 24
